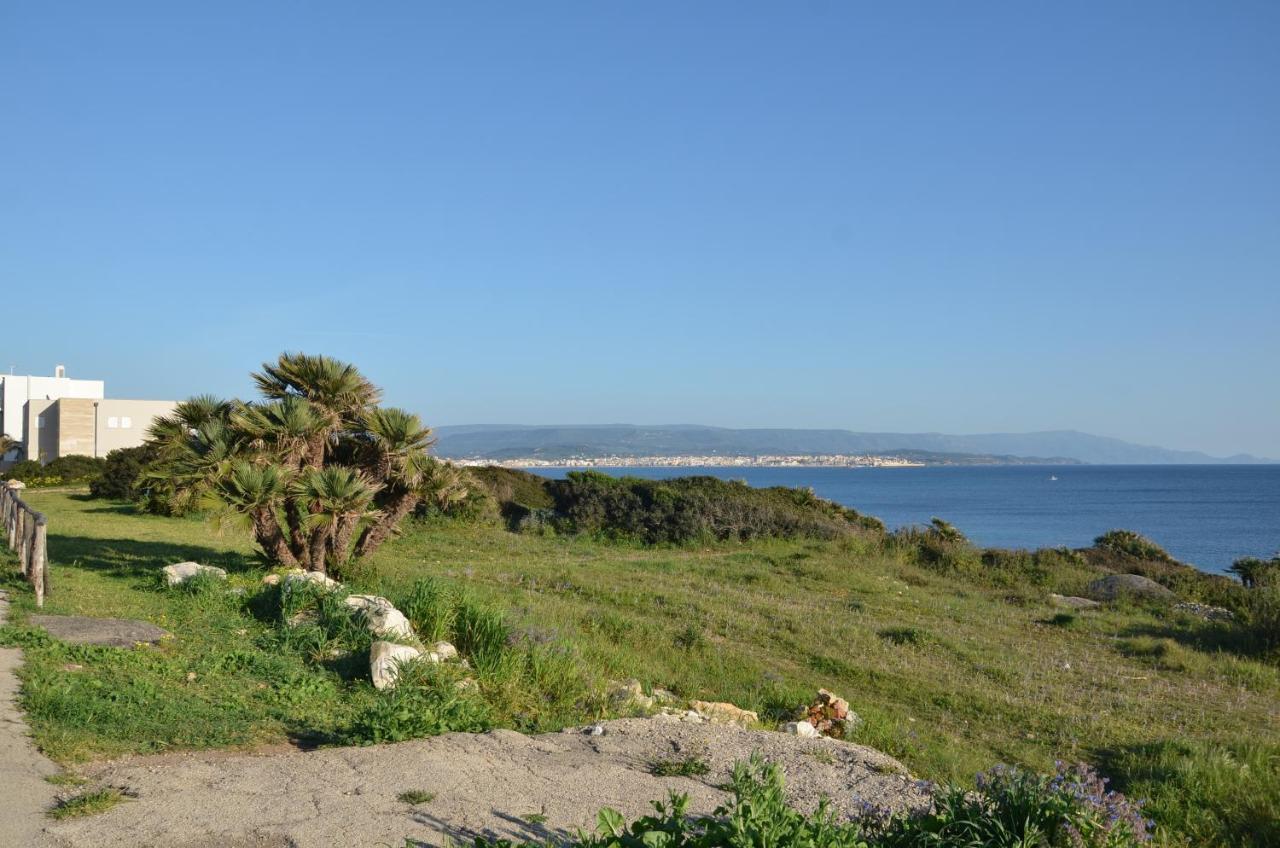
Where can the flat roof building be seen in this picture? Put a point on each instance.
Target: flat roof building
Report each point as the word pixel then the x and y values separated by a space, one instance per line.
pixel 57 416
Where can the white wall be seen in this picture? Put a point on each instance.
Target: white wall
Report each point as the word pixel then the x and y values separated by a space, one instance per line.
pixel 15 391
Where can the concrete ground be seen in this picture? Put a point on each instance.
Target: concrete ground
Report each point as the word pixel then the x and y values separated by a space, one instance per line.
pixel 24 794
pixel 501 784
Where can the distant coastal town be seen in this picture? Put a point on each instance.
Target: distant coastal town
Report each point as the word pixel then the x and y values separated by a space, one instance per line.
pixel 712 460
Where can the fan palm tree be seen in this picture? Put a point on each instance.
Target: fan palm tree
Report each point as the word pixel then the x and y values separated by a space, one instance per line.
pixel 254 493
pixel 317 469
pixel 395 445
pixel 8 444
pixel 338 500
pixel 336 391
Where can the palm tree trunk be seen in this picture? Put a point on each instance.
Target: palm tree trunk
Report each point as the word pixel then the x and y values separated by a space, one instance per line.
pixel 341 541
pixel 392 514
pixel 266 529
pixel 317 549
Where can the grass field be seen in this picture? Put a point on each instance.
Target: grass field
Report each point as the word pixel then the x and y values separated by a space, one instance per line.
pixel 949 676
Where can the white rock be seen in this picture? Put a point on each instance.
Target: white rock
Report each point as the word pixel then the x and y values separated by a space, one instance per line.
pixel 381 616
pixel 385 659
pixel 801 728
pixel 181 572
pixel 594 730
pixel 14 484
pixel 301 578
pixel 443 651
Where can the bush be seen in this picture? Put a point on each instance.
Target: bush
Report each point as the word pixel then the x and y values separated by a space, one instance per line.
pixel 693 509
pixel 426 701
pixel 1258 613
pixel 122 473
pixel 63 471
pixel 1132 544
pixel 1254 572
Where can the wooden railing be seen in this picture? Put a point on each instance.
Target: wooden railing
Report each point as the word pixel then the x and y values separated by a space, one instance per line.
pixel 27 534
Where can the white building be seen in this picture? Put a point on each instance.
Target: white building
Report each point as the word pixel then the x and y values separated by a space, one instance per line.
pixel 58 416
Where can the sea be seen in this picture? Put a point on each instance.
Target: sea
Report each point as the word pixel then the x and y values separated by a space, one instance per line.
pixel 1205 515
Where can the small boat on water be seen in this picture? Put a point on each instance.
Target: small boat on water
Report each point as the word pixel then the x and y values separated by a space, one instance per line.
pixel 1052 477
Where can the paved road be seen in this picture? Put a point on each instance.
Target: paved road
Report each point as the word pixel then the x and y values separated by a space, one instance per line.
pixel 24 794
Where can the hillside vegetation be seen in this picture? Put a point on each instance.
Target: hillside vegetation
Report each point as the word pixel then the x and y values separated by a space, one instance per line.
pixel 953 656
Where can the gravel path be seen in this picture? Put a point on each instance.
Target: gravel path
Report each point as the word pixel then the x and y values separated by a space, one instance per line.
pixel 24 794
pixel 499 783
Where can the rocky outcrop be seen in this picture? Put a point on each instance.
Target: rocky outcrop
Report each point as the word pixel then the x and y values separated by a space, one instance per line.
pixel 722 712
pixel 181 572
pixel 1115 586
pixel 1205 611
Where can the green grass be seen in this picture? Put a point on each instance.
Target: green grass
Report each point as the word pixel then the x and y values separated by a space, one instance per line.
pixel 87 804
pixel 951 668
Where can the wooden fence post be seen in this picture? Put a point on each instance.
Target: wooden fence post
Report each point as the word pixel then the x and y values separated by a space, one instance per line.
pixel 22 540
pixel 39 572
pixel 42 529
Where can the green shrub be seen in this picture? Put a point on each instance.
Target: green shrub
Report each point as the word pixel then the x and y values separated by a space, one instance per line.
pixel 426 701
pixel 122 473
pixel 24 470
pixel 1254 572
pixel 694 509
pixel 1013 809
pixel 1258 615
pixel 63 471
pixel 1132 544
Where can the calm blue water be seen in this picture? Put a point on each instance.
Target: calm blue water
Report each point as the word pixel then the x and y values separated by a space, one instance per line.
pixel 1207 515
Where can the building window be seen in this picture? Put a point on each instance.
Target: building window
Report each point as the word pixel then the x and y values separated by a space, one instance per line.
pixel 126 422
pixel 39 422
pixel 113 422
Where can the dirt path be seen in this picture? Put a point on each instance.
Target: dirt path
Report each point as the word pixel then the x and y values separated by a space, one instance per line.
pixel 24 794
pixel 500 783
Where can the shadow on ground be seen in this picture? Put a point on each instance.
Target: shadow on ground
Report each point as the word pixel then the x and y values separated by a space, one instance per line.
pixel 132 558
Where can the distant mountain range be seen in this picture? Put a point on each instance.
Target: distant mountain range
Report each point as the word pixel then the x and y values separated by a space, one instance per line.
pixel 565 441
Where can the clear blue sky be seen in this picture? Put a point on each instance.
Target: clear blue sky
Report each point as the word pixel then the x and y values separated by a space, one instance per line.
pixel 961 217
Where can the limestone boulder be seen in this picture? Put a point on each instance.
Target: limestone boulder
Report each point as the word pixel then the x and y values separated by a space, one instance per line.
pixel 385 660
pixel 442 652
pixel 381 616
pixel 14 484
pixel 298 579
pixel 1115 586
pixel 181 572
pixel 722 712
pixel 1072 602
pixel 801 728
pixel 629 695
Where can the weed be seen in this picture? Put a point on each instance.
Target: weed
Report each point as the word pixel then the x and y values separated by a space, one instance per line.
pixel 414 797
pixel 87 803
pixel 690 766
